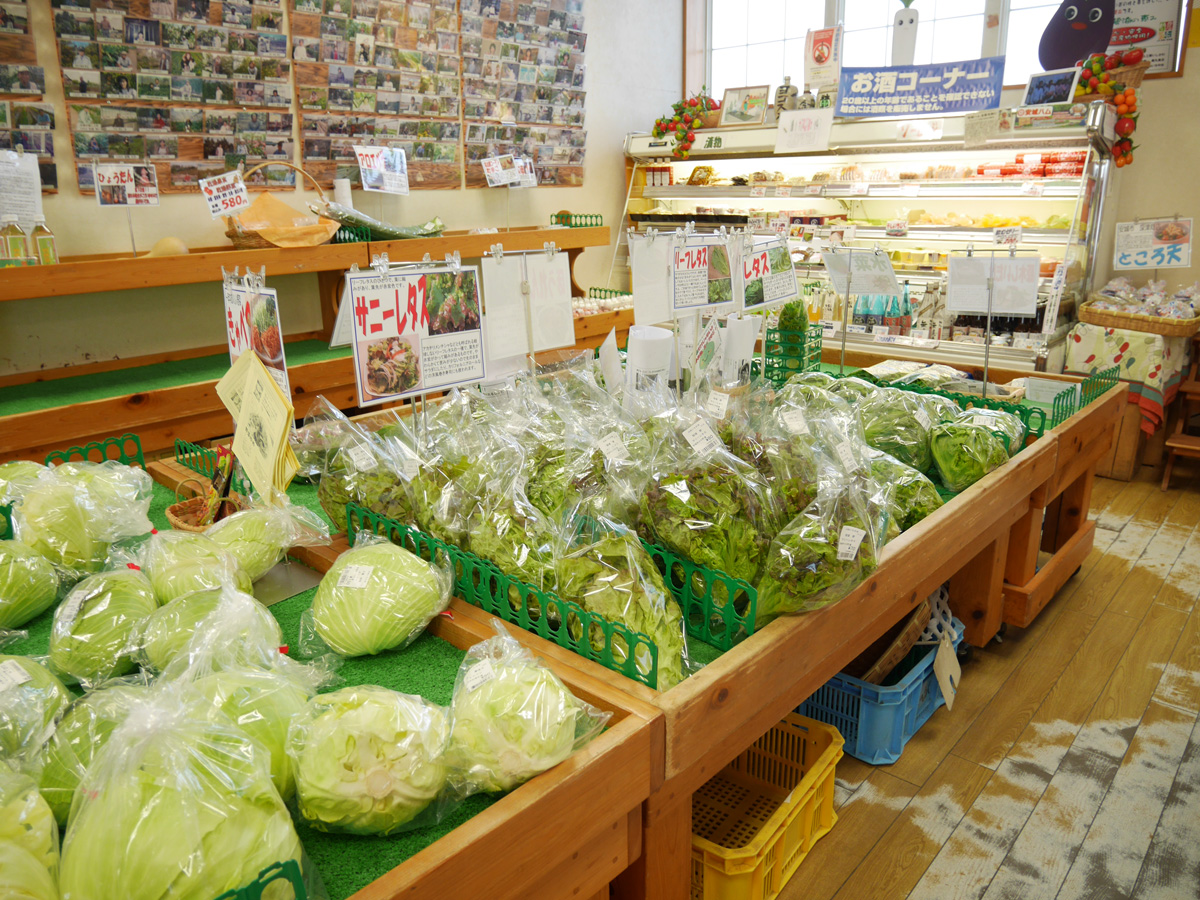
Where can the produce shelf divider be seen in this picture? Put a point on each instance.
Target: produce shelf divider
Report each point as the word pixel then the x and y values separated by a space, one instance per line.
pixel 125 449
pixel 203 461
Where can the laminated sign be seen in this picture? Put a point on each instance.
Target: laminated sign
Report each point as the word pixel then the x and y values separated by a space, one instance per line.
pixel 118 184
pixel 921 90
pixel 252 323
pixel 701 279
pixel 768 273
pixel 383 169
pixel 226 194
pixel 415 331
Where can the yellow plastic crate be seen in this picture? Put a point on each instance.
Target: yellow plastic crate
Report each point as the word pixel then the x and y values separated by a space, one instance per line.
pixel 755 821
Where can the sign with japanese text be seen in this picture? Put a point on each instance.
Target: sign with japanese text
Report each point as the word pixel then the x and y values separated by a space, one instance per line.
pixel 822 57
pixel 860 272
pixel 803 130
pixel 1008 283
pixel 126 185
pixel 526 173
pixel 701 274
pixel 252 323
pixel 1153 244
pixel 768 276
pixel 500 170
pixel 415 331
pixel 226 194
pixel 383 169
pixel 1153 25
pixel 915 90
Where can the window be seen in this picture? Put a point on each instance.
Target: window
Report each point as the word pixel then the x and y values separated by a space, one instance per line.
pixel 759 41
pixel 1025 18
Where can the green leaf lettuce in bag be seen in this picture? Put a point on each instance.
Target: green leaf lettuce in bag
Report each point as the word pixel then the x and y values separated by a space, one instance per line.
pixel 964 453
pixel 896 423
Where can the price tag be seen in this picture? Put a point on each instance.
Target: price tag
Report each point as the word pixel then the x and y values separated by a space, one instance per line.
pixel 758 191
pixel 845 453
pixel 849 541
pixel 909 189
pixel 857 329
pixel 70 609
pixel 362 457
pixel 680 490
pixel 859 188
pixel 815 190
pixel 12 674
pixel 783 191
pixel 702 439
pixel 410 468
pixel 896 228
pixel 1032 189
pixel 923 419
pixel 1009 236
pixel 226 194
pixel 881 329
pixel 355 576
pixel 479 674
pixel 982 421
pixel 717 404
pixel 947 670
pixel 920 333
pixel 795 422
pixel 613 447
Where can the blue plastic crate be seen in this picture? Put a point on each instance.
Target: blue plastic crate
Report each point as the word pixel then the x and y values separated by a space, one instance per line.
pixel 878 720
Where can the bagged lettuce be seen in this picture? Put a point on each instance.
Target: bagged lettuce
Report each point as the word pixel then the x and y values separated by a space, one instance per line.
pixel 896 423
pixel 260 537
pixel 512 718
pixel 22 877
pixel 31 701
pixel 368 760
pixel 170 630
pixel 1004 425
pixel 181 562
pixel 98 625
pixel 913 495
pixel 852 389
pixel 28 585
pixel 25 819
pixel 964 453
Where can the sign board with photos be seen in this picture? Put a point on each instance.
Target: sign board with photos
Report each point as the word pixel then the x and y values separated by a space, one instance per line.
pixel 702 275
pixel 382 169
pixel 252 324
pixel 415 331
pixel 26 120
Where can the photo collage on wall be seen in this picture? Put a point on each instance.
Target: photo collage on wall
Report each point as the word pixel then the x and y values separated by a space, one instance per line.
pixel 192 85
pixel 523 86
pixel 26 122
pixel 379 72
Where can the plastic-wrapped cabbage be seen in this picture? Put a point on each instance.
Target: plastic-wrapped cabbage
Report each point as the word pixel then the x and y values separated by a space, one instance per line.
pixel 117 496
pixel 25 819
pixel 913 496
pixel 1004 425
pixel 16 478
pixel 171 629
pixel 609 573
pixel 964 453
pixel 97 627
pixel 896 423
pixel 79 736
pixel 52 522
pixel 181 562
pixel 512 718
pixel 31 701
pixel 260 537
pixel 893 369
pixel 367 760
pixel 176 805
pixel 28 585
pixel 939 409
pixel 22 877
pixel 377 597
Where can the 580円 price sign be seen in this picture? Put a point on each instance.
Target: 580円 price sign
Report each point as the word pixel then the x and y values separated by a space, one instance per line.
pixel 226 194
pixel 415 331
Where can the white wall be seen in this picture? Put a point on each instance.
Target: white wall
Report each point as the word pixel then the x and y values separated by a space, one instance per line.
pixel 634 59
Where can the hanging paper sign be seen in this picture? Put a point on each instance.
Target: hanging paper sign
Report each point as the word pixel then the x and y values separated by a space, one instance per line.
pixel 526 173
pixel 382 169
pixel 822 57
pixel 861 272
pixel 701 275
pixel 226 194
pixel 1153 244
pixel 1014 285
pixel 126 185
pixel 804 130
pixel 252 323
pixel 414 332
pixel 1050 319
pixel 768 275
pixel 500 170
pixel 921 90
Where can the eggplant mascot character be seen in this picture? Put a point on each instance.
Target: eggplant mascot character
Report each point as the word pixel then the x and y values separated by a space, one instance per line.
pixel 1078 28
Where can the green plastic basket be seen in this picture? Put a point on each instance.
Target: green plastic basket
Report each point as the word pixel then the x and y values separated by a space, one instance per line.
pixel 599 293
pixel 289 870
pixel 351 234
pixel 1034 417
pixel 789 353
pixel 717 608
pixel 576 220
pixel 203 461
pixel 125 449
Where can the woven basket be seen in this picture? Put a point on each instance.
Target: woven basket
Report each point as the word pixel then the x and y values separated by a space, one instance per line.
pixel 244 239
pixel 710 119
pixel 184 514
pixel 1130 76
pixel 875 663
pixel 1134 322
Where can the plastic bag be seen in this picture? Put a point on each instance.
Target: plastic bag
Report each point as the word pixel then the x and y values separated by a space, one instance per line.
pixel 964 453
pixel 939 409
pixel 367 760
pixel 181 562
pixel 892 369
pixel 376 597
pixel 260 537
pixel 172 629
pixel 28 585
pixel 512 718
pixel 896 422
pixel 853 390
pixel 26 820
pixel 16 477
pixel 1004 425
pixel 913 495
pixel 31 700
pixel 99 624
pixel 22 877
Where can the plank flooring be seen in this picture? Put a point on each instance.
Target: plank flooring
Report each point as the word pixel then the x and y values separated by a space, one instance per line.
pixel 1069 768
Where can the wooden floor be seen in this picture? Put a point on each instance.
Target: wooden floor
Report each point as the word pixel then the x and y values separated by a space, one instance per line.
pixel 1070 765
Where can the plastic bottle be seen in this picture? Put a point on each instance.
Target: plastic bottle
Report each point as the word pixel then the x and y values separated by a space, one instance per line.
pixel 15 241
pixel 42 241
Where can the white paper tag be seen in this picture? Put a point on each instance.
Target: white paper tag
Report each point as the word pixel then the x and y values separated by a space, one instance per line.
pixel 758 191
pixel 794 422
pixel 410 468
pixel 849 541
pixel 881 329
pixel 355 576
pixel 701 438
pixel 859 188
pixel 908 189
pixel 947 670
pixel 479 674
pixel 815 190
pixel 680 490
pixel 362 457
pixel 845 453
pixel 783 191
pixel 1032 189
pixel 717 404
pixel 983 421
pixel 12 674
pixel 923 419
pixel 70 609
pixel 613 447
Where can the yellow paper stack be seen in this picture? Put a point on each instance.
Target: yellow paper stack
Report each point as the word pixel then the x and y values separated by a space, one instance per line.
pixel 264 419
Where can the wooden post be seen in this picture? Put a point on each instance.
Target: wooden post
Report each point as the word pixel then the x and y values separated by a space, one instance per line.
pixel 1023 540
pixel 329 290
pixel 1074 508
pixel 663 871
pixel 976 592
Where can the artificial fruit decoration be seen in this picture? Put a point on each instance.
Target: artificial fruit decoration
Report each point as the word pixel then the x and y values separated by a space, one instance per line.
pixel 686 119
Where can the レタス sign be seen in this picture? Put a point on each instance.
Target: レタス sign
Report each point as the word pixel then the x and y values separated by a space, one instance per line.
pixel 1153 244
pixel 962 86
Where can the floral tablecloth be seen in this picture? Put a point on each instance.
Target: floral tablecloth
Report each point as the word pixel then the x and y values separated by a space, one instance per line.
pixel 1151 364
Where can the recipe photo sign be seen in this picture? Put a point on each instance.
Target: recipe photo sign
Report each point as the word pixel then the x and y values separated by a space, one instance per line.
pixel 252 323
pixel 126 185
pixel 415 331
pixel 768 276
pixel 1153 244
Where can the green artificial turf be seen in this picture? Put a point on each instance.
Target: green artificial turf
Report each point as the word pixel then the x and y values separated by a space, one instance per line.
pixel 23 398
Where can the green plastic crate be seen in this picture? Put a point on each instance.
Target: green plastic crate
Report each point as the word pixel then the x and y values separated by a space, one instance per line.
pixel 599 293
pixel 1034 417
pixel 1096 384
pixel 203 461
pixel 789 353
pixel 351 234
pixel 125 448
pixel 289 870
pixel 717 608
pixel 576 220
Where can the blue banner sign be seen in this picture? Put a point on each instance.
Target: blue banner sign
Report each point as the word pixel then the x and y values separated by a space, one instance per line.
pixel 917 90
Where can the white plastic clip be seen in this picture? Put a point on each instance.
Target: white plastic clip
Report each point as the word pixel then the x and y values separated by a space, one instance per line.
pixel 228 277
pixel 690 228
pixel 651 234
pixel 497 251
pixel 426 258
pixel 255 280
pixel 454 261
pixel 722 232
pixel 550 249
pixel 877 249
pixel 380 263
pixel 354 268
pixel 747 242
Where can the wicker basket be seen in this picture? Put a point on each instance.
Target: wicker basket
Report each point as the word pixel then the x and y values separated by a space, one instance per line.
pixel 1130 76
pixel 184 514
pixel 244 239
pixel 1134 322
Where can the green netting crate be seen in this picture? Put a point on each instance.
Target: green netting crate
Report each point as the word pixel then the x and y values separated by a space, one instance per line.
pixel 576 220
pixel 125 448
pixel 717 608
pixel 1097 383
pixel 789 353
pixel 288 870
pixel 203 461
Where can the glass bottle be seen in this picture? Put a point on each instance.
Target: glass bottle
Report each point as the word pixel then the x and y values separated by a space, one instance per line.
pixel 42 239
pixel 15 241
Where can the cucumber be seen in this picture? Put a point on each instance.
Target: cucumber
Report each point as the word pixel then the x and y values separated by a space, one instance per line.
pixel 380 231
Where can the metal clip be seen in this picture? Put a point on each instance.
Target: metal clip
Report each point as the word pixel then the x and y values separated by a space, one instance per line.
pixel 497 251
pixel 380 263
pixel 255 280
pixel 970 250
pixel 550 249
pixel 426 258
pixel 454 261
pixel 1012 251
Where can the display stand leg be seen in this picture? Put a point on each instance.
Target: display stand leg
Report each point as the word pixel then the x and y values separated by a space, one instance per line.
pixel 663 871
pixel 987 330
pixel 531 358
pixel 977 592
pixel 129 219
pixel 624 213
pixel 846 317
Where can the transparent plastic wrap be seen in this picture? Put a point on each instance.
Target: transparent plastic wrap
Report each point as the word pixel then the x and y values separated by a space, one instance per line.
pixel 896 423
pixel 853 390
pixel 52 520
pixel 31 700
pixel 913 495
pixel 607 571
pixel 26 820
pixel 176 805
pixel 893 369
pixel 259 537
pixel 172 629
pixel 28 585
pixel 1004 425
pixel 98 625
pixel 79 737
pixel 822 380
pixel 939 409
pixel 964 453
pixel 22 877
pixel 368 760
pixel 935 377
pixel 445 493
pixel 323 432
pixel 512 718
pixel 778 442
pixel 376 597
pixel 182 562
pixel 16 477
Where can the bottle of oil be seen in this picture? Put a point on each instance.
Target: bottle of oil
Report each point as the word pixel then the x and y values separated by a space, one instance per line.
pixel 14 241
pixel 42 239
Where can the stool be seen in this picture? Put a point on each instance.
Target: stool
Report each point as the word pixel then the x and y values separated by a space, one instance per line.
pixel 1181 443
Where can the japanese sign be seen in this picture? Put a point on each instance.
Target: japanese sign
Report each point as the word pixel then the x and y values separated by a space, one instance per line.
pixel 1153 244
pixel 822 57
pixel 526 172
pixel 383 169
pixel 415 331
pixel 500 170
pixel 1009 284
pixel 226 194
pixel 910 90
pixel 768 276
pixel 861 272
pixel 252 323
pixel 701 279
pixel 803 130
pixel 1153 25
pixel 126 185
